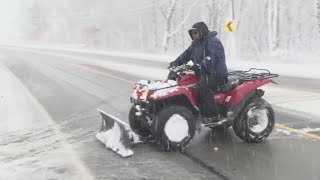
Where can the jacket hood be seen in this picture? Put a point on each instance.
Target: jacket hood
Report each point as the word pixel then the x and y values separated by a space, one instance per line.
pixel 213 34
pixel 202 28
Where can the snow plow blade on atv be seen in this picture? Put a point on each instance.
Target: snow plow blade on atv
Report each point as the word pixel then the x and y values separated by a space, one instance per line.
pixel 116 135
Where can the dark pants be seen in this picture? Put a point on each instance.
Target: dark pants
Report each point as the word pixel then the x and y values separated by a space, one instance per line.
pixel 207 86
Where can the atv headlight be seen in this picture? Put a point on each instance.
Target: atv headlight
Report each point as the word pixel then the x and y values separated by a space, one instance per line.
pixel 144 95
pixel 134 94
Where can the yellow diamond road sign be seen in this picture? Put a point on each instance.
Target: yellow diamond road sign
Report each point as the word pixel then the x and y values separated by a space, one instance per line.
pixel 229 26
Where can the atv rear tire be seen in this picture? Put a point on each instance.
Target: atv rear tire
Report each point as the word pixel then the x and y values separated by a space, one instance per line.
pixel 137 124
pixel 256 122
pixel 174 127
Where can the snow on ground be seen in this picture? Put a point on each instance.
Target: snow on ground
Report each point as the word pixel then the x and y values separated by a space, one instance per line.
pixel 287 69
pixel 79 48
pixel 153 73
pixel 31 144
pixel 296 100
pixel 310 130
pixel 286 132
pixel 296 69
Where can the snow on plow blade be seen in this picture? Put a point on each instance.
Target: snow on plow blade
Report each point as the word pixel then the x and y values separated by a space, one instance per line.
pixel 116 135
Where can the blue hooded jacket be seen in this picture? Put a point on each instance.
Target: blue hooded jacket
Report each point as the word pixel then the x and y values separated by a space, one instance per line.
pixel 208 52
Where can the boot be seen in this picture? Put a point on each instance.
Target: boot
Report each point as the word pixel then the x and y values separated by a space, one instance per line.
pixel 213 119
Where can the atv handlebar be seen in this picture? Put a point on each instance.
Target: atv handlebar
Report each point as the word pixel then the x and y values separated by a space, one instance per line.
pixel 183 66
pixel 176 71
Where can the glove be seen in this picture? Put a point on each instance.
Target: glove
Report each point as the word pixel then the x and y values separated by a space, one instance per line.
pixel 197 69
pixel 172 64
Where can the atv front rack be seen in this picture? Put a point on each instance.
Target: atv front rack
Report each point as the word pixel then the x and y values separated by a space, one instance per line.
pixel 252 74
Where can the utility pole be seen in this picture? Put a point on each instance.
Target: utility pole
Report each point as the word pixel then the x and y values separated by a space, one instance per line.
pixel 231 36
pixel 318 15
pixel 232 6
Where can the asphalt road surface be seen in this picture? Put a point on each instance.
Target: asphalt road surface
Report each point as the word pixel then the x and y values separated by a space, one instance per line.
pixel 71 91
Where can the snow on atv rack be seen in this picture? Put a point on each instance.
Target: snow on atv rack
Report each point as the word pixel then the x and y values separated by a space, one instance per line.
pixel 252 74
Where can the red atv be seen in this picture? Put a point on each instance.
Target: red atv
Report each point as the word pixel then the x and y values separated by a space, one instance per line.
pixel 168 110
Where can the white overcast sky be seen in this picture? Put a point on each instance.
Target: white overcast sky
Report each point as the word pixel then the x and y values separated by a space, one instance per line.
pixel 9 16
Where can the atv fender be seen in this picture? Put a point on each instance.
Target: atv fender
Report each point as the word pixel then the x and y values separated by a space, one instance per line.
pixel 239 93
pixel 166 93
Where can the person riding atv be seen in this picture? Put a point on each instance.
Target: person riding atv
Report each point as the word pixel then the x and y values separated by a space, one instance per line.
pixel 167 112
pixel 207 54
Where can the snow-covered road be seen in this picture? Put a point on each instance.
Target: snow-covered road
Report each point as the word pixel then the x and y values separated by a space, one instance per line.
pixel 30 139
pixel 297 101
pixel 71 87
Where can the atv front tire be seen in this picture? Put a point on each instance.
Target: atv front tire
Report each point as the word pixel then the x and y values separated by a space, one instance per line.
pixel 137 124
pixel 174 127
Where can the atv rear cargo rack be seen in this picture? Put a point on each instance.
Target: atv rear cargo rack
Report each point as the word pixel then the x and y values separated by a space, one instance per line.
pixel 252 75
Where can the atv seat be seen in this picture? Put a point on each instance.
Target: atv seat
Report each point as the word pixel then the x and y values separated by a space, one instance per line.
pixel 233 82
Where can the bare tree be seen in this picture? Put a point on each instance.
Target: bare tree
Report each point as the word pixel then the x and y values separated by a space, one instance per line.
pixel 242 2
pixel 213 10
pixel 273 24
pixel 174 23
pixel 277 26
pixel 141 33
pixel 38 20
pixel 183 27
pixel 155 28
pixel 318 15
pixel 168 33
pixel 168 18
